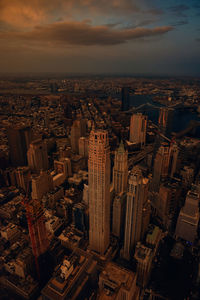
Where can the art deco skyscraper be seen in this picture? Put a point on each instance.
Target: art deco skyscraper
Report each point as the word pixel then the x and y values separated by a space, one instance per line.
pixel 120 169
pixel 138 126
pixel 136 197
pixel 99 190
pixel 37 156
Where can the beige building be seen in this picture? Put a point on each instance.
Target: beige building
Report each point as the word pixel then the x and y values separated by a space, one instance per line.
pixel 99 190
pixel 138 127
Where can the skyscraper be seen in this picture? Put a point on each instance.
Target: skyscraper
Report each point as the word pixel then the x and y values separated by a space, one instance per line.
pixel 75 135
pixel 125 98
pixel 19 138
pixel 37 155
pixel 161 165
pixel 138 126
pixel 165 120
pixel 99 190
pixel 136 197
pixel 78 130
pixel 187 224
pixel 120 169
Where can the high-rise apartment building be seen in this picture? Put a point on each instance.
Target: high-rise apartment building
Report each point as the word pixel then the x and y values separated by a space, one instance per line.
pixel 19 138
pixel 99 190
pixel 37 155
pixel 136 197
pixel 125 98
pixel 120 170
pixel 138 126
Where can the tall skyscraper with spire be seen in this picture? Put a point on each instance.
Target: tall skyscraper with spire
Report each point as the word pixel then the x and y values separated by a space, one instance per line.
pixel 136 198
pixel 120 169
pixel 99 190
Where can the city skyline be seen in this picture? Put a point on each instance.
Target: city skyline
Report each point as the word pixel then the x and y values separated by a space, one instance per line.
pixel 129 37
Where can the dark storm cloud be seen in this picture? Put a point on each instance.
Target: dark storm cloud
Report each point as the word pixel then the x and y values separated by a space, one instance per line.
pixel 82 33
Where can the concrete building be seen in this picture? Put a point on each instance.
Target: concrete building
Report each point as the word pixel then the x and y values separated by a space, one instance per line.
pixel 41 185
pixel 187 224
pixel 118 216
pixel 83 146
pixel 71 278
pixel 19 138
pixel 165 120
pixel 136 197
pixel 22 177
pixel 78 130
pixel 117 283
pixel 125 98
pixel 37 155
pixel 120 170
pixel 161 166
pixel 138 127
pixel 143 256
pixel 99 190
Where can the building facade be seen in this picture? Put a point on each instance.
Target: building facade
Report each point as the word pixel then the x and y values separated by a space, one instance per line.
pixel 99 190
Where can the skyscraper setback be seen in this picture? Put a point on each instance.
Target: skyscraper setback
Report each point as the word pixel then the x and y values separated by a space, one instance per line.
pixel 99 190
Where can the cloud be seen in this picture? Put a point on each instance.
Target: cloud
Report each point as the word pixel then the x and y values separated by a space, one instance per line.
pixel 179 10
pixel 23 13
pixel 81 34
pixel 180 23
pixel 198 40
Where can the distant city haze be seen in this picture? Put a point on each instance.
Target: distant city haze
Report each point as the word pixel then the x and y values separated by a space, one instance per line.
pixel 130 37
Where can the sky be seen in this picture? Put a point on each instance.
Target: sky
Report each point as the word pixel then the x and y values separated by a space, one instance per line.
pixel 152 37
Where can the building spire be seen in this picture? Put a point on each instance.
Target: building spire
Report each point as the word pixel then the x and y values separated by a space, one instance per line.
pixel 121 147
